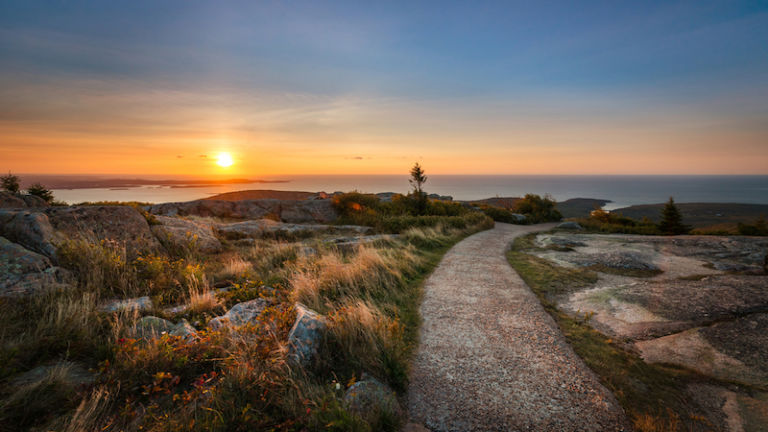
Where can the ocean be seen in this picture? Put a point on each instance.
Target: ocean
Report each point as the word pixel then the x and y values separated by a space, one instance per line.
pixel 621 190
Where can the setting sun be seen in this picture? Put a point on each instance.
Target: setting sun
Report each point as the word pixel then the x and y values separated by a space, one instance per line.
pixel 224 160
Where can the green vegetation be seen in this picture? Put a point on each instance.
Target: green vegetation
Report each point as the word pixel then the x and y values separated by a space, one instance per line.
pixel 10 183
pixel 226 380
pixel 654 396
pixel 759 228
pixel 41 191
pixel 611 222
pixel 671 220
pixel 403 213
pixel 535 209
pixel 417 180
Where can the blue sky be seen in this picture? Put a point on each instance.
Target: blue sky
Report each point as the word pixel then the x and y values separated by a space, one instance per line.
pixel 496 87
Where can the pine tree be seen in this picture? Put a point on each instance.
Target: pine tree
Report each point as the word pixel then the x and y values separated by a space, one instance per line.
pixel 10 183
pixel 41 191
pixel 671 220
pixel 418 178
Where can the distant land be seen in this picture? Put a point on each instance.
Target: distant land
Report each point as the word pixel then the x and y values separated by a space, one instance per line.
pixel 91 182
pixel 571 208
pixel 261 194
pixel 701 215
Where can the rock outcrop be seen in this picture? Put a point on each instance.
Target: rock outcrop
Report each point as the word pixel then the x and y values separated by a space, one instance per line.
pixel 44 230
pixel 306 334
pixel 17 201
pixel 121 224
pixel 24 272
pixel 240 314
pixel 305 211
pixel 181 234
pixel 32 230
pixel 262 227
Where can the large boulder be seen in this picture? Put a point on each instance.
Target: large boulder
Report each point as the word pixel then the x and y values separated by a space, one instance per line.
pixel 33 230
pixel 291 211
pixel 306 334
pixel 9 200
pixel 369 399
pixel 33 201
pixel 240 314
pixel 182 234
pixel 23 271
pixel 121 224
pixel 569 225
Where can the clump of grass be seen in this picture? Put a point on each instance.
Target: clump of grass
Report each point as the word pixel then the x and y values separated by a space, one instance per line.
pixel 653 395
pixel 39 401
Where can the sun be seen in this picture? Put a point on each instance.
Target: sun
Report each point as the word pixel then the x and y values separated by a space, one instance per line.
pixel 224 160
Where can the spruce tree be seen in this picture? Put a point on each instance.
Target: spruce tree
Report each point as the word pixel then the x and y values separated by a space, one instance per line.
pixel 418 178
pixel 671 220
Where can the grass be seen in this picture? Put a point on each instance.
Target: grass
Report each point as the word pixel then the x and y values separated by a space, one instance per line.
pixel 222 380
pixel 653 396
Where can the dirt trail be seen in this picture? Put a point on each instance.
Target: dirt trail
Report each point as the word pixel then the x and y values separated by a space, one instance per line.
pixel 490 358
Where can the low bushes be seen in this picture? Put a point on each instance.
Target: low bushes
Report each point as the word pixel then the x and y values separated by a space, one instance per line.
pixel 401 213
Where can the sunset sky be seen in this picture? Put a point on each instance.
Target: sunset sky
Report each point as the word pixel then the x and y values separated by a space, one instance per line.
pixel 315 87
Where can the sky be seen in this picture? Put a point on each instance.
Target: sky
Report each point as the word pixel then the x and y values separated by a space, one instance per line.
pixel 349 87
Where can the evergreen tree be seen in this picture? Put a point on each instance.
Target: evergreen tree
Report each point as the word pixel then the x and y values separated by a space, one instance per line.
pixel 418 178
pixel 41 191
pixel 10 183
pixel 671 220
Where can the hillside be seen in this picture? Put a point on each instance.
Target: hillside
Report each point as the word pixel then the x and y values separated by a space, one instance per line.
pixel 701 214
pixel 574 207
pixel 262 194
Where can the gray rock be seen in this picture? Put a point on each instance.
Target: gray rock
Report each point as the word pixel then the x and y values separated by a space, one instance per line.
pixel 184 234
pixel 121 224
pixel 149 327
pixel 139 304
pixel 369 398
pixel 33 201
pixel 73 373
pixel 260 228
pixel 240 314
pixel 33 230
pixel 569 225
pixel 306 334
pixel 9 200
pixel 291 211
pixel 24 272
pixel 519 218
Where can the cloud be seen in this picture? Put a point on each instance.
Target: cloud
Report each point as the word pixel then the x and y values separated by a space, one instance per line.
pixel 203 156
pixel 356 158
pixel 179 157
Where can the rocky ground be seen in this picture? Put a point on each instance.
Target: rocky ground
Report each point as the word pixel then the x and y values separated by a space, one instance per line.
pixel 699 302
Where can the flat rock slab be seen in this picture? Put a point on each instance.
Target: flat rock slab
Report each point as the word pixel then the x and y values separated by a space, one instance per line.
pixel 490 358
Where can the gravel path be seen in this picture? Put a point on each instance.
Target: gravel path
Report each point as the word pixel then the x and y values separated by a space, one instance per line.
pixel 490 358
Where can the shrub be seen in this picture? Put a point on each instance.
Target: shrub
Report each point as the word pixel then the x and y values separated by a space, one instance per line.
pixel 41 191
pixel 499 214
pixel 537 209
pixel 759 228
pixel 10 183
